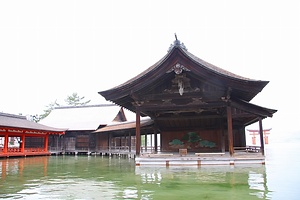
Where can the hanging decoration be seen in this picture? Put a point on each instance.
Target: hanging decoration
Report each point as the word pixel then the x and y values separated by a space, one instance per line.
pixel 180 87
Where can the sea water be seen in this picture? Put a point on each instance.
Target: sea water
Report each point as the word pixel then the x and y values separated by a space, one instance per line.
pixel 97 177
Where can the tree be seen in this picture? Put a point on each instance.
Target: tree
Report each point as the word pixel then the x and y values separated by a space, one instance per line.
pixel 72 100
pixel 47 111
pixel 75 100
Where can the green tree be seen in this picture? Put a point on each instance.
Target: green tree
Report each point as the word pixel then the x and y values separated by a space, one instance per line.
pixel 75 100
pixel 72 100
pixel 47 111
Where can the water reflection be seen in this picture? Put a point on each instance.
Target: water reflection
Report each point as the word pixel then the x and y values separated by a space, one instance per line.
pixel 223 182
pixel 82 177
pixel 69 189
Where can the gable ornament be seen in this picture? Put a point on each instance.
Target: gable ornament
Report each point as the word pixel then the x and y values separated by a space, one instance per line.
pixel 178 69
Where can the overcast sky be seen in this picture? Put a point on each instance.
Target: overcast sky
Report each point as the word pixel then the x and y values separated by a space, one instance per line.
pixel 50 49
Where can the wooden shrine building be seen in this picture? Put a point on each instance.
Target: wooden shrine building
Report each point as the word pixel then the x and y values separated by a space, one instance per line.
pixel 80 122
pixel 194 105
pixel 32 138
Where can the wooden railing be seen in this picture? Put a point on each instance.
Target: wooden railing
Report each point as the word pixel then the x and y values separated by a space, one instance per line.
pixel 115 149
pixel 34 149
pixel 247 149
pixel 14 149
pixel 107 149
pixel 149 148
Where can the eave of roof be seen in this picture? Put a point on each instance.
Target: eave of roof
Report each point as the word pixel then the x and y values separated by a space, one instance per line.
pixel 255 109
pixel 124 126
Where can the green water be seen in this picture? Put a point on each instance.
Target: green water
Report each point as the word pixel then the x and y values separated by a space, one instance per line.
pixel 90 177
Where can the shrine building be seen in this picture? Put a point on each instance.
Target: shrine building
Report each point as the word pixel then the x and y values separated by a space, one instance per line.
pixel 192 104
pixel 20 137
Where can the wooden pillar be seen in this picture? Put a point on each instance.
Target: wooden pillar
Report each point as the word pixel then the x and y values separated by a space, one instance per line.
pixel 151 142
pixel 155 140
pixel 109 141
pixel 160 142
pixel 5 148
pixel 243 137
pixel 138 132
pixel 125 143
pixel 46 139
pixel 23 143
pixel 57 141
pixel 129 142
pixel 222 135
pixel 261 134
pixel 62 142
pixel 229 129
pixel 146 141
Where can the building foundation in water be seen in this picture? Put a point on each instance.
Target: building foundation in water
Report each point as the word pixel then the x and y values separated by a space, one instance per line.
pixel 198 159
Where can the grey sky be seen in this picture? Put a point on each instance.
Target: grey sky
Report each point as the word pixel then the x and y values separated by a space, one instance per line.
pixel 50 49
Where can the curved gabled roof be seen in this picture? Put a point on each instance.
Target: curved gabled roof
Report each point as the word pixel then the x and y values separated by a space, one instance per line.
pixel 17 121
pixel 87 117
pixel 244 88
pixel 216 69
pixel 121 126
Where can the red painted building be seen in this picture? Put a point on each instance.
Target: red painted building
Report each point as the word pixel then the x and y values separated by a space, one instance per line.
pixel 32 137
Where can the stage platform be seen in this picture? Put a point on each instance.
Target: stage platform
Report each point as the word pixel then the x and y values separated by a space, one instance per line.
pixel 198 159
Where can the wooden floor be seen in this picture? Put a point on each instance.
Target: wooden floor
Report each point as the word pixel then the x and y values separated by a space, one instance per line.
pixel 20 154
pixel 198 159
pixel 174 158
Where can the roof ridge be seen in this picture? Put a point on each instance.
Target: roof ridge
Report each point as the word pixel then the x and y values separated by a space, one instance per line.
pixel 12 115
pixel 85 106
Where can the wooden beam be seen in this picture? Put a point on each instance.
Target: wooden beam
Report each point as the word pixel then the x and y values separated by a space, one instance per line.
pixel 207 96
pixel 186 107
pixel 175 117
